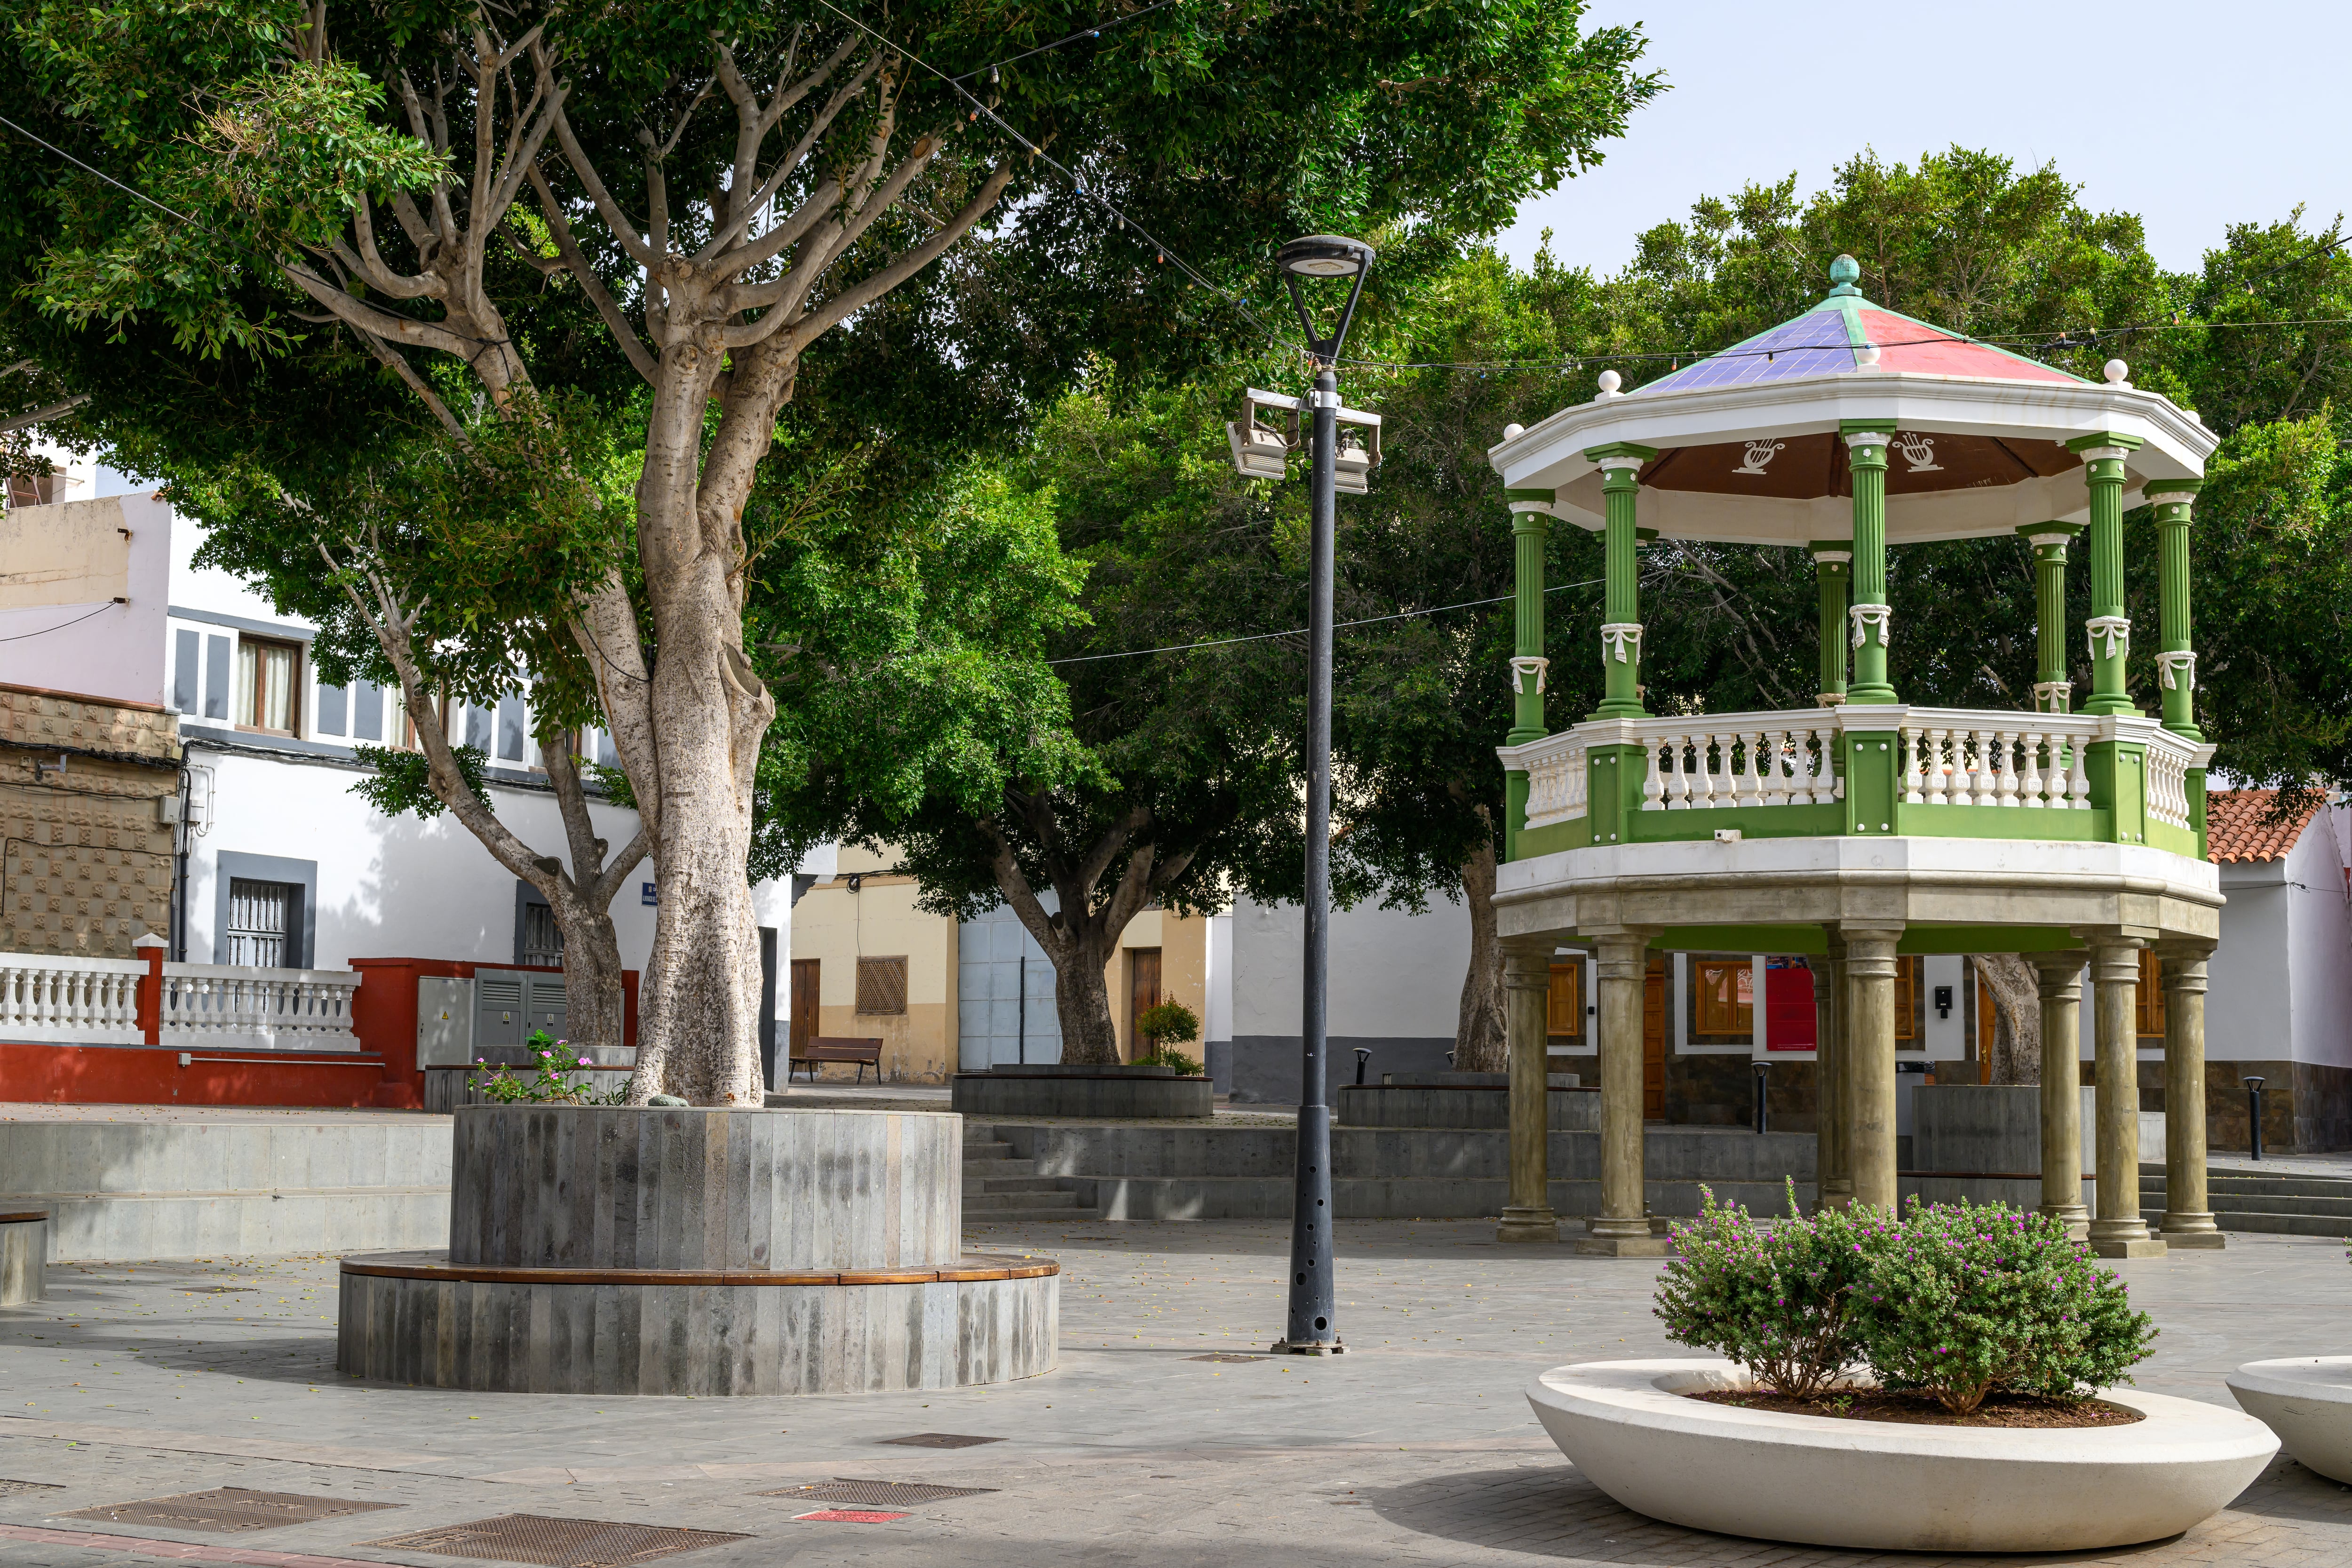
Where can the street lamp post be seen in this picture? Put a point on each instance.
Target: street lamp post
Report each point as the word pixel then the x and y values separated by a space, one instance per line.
pixel 1312 1328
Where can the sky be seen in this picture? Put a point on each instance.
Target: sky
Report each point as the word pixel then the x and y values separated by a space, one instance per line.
pixel 2194 116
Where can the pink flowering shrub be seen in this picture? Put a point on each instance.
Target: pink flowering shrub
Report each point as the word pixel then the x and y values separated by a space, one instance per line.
pixel 1780 1298
pixel 1962 1301
pixel 1957 1302
pixel 552 1081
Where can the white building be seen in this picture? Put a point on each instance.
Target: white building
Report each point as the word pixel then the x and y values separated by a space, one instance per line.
pixel 281 865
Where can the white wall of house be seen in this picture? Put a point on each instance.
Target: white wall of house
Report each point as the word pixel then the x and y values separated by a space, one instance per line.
pixel 281 805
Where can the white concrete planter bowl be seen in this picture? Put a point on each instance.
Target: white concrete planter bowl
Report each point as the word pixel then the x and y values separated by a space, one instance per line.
pixel 1888 1487
pixel 2307 1400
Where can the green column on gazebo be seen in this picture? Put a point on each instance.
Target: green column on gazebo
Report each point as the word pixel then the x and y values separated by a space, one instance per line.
pixel 2176 659
pixel 1865 442
pixel 1834 569
pixel 1620 631
pixel 2103 457
pixel 2053 692
pixel 1530 529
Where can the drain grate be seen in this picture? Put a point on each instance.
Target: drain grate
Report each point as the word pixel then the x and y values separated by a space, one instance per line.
pixel 9 1489
pixel 879 1494
pixel 942 1440
pixel 228 1509
pixel 1225 1357
pixel 849 1516
pixel 557 1542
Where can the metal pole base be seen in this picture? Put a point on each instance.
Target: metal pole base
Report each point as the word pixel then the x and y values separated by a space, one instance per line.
pixel 1311 1347
pixel 1527 1224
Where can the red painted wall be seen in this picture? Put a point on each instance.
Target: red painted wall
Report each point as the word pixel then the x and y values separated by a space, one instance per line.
pixel 384 1073
pixel 137 1075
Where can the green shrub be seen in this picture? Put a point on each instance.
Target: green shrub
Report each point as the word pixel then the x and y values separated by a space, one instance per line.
pixel 1964 1301
pixel 1167 1023
pixel 1186 1067
pixel 1780 1298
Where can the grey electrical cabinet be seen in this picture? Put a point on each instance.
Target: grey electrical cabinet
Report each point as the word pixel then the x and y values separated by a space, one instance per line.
pixel 445 1022
pixel 510 1004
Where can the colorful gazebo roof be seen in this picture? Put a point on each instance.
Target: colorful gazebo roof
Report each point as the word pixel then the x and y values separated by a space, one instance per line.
pixel 1836 335
pixel 1747 444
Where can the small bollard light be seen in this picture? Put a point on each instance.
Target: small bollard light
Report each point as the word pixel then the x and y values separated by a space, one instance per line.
pixel 1762 1070
pixel 1363 1056
pixel 2254 1114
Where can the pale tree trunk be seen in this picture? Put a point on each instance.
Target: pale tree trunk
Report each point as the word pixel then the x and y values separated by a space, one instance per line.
pixel 2016 987
pixel 1479 1045
pixel 1081 936
pixel 722 315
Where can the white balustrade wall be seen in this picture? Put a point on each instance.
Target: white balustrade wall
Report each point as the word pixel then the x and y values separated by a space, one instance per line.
pixel 69 1001
pixel 228 1006
pixel 2023 759
pixel 47 1000
pixel 1950 757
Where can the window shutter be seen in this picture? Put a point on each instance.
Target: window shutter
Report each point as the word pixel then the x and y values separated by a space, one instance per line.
pixel 882 985
pixel 2152 993
pixel 1564 1006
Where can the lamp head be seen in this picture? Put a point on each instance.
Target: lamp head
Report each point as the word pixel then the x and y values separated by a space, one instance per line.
pixel 1325 255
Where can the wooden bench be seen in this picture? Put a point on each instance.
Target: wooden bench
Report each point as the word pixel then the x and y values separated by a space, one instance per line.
pixel 865 1053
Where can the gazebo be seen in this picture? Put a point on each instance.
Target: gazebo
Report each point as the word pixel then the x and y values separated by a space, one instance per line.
pixel 1864 828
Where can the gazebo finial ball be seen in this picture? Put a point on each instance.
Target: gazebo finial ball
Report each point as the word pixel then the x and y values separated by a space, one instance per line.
pixel 1512 432
pixel 2116 370
pixel 1845 269
pixel 1611 381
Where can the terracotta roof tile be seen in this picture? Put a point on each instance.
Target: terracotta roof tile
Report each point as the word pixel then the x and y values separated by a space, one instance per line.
pixel 2239 827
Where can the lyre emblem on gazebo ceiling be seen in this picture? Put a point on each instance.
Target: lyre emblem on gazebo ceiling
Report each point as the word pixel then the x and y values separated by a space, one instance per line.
pixel 1759 454
pixel 1918 450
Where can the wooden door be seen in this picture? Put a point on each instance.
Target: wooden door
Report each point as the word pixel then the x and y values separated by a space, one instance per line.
pixel 1142 992
pixel 1654 1039
pixel 804 1019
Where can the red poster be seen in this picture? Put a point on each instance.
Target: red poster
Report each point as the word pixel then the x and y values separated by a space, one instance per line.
pixel 1787 1005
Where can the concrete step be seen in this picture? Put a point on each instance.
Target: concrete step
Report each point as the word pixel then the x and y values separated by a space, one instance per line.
pixel 986 1151
pixel 981 1203
pixel 1001 1217
pixel 996 1184
pixel 977 1170
pixel 2284 1223
pixel 2265 1203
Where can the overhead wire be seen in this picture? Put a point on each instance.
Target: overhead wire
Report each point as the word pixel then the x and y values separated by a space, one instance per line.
pixel 1097 31
pixel 1301 631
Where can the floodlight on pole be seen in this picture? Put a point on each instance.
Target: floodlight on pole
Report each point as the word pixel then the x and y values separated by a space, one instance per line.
pixel 1312 1328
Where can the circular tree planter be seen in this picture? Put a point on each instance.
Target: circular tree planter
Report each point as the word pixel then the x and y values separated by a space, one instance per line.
pixel 2307 1400
pixel 1887 1486
pixel 673 1249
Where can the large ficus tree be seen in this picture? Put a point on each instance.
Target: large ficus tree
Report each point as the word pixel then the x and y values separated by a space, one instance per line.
pixel 723 184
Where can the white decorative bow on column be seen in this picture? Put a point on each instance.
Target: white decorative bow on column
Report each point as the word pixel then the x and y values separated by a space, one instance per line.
pixel 1524 665
pixel 1616 635
pixel 2180 660
pixel 2053 696
pixel 2114 629
pixel 1879 616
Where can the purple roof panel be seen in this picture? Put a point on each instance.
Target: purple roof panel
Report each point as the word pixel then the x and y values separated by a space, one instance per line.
pixel 1814 344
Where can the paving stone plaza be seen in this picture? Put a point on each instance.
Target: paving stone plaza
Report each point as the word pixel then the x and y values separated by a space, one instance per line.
pixel 133 1382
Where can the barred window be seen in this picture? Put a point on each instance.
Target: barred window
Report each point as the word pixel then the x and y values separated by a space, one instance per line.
pixel 258 919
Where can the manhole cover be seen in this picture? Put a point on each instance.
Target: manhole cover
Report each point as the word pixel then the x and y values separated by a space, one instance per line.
pixel 942 1440
pixel 557 1542
pixel 881 1494
pixel 1227 1357
pixel 10 1488
pixel 228 1509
